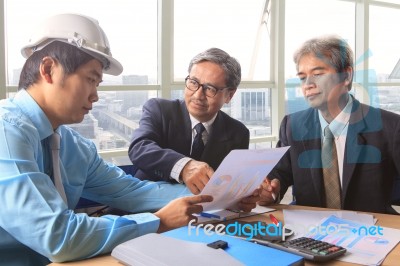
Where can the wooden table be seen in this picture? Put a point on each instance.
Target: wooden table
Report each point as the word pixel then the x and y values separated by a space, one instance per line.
pixel 386 220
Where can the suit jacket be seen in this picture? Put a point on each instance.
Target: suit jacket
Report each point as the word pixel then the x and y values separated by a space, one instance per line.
pixel 164 136
pixel 371 159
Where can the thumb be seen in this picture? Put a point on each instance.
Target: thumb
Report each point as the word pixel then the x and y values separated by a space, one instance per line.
pixel 199 199
pixel 275 184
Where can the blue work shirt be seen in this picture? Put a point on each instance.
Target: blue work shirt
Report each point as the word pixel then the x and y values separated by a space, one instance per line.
pixel 35 223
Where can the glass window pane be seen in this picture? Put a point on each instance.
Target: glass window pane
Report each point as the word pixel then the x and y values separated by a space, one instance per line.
pixel 384 43
pixel 306 19
pixel 240 27
pixel 295 100
pixel 261 145
pixel 303 24
pixel 130 25
pixel 114 118
pixel 389 98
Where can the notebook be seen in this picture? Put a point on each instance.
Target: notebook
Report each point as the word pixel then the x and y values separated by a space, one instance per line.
pixel 160 250
pixel 247 252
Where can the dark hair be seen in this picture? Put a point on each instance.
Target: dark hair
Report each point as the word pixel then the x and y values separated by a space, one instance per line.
pixel 69 57
pixel 332 49
pixel 229 64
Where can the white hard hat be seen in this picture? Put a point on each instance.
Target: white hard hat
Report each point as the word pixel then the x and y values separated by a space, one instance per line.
pixel 78 30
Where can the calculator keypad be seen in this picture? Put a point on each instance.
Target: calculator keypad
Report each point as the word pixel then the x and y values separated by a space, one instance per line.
pixel 313 246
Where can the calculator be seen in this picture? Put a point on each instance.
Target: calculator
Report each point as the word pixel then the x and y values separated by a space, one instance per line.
pixel 309 248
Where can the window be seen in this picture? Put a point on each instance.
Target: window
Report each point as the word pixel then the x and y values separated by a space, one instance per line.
pixel 388 98
pixel 240 27
pixel 247 30
pixel 384 43
pixel 307 19
pixel 130 25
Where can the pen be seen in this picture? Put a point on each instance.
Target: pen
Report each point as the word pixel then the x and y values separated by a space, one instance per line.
pixel 274 220
pixel 210 215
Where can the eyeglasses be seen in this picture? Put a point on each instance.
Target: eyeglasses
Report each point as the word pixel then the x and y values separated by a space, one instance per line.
pixel 194 85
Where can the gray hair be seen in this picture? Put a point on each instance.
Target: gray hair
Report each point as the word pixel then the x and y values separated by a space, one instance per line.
pixel 229 64
pixel 332 49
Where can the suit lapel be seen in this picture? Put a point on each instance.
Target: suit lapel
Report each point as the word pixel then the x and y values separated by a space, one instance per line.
pixel 311 141
pixel 354 143
pixel 187 132
pixel 217 137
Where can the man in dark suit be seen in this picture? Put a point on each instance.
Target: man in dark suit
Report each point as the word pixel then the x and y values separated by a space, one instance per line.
pixel 366 139
pixel 163 146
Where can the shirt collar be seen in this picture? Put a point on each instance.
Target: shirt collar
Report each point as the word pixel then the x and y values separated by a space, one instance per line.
pixel 340 122
pixel 206 124
pixel 32 110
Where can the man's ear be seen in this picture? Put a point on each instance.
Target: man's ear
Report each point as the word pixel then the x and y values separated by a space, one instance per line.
pixel 348 79
pixel 46 69
pixel 231 92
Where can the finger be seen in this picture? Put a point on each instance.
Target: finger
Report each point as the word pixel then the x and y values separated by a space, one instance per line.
pixel 199 186
pixel 193 188
pixel 194 209
pixel 199 199
pixel 246 207
pixel 210 172
pixel 266 195
pixel 256 192
pixel 264 185
pixel 269 186
pixel 203 180
pixel 251 199
pixel 276 184
pixel 265 192
pixel 192 217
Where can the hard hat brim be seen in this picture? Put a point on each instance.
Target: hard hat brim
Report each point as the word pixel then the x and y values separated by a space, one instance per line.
pixel 114 67
pixel 80 31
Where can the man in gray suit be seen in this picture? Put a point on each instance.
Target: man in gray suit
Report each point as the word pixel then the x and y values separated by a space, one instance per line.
pixel 366 142
pixel 165 147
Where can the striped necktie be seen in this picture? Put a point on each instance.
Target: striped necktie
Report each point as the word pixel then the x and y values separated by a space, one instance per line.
pixel 330 170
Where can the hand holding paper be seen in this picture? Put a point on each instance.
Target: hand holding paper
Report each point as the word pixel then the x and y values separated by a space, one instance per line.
pixel 180 211
pixel 240 173
pixel 270 191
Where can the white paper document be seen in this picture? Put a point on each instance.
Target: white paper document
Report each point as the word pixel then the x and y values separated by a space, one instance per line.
pixel 240 173
pixel 225 215
pixel 311 217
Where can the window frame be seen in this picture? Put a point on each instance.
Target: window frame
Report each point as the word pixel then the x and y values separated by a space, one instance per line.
pixel 276 84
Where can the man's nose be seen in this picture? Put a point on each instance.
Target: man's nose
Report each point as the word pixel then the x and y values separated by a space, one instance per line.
pixel 200 92
pixel 309 82
pixel 94 97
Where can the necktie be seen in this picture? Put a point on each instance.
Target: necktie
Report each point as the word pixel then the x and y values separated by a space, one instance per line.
pixel 198 144
pixel 55 155
pixel 330 170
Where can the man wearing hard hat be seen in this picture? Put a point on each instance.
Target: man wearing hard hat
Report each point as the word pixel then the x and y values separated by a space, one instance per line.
pixel 46 167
